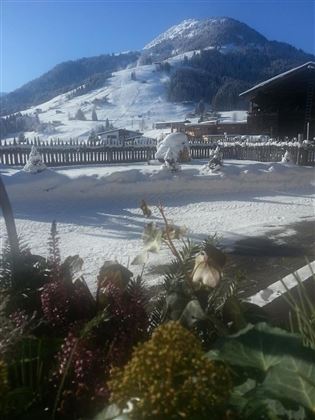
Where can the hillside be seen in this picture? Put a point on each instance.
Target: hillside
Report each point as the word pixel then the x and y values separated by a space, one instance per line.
pixel 211 59
pixel 231 58
pixel 91 72
pixel 218 76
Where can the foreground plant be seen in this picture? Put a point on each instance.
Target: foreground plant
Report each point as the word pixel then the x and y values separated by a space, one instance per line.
pixel 302 315
pixel 274 373
pixel 194 291
pixel 169 377
pixel 57 340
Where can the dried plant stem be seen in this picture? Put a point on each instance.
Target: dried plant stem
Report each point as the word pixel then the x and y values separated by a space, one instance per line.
pixel 169 241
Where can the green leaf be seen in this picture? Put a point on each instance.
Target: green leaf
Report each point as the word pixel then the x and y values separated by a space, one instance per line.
pixel 287 367
pixel 238 397
pixel 260 347
pixel 192 313
pixel 293 380
pixel 175 303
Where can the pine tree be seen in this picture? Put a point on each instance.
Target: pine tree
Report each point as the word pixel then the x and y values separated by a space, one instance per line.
pixel 80 115
pixel 94 115
pixel 35 162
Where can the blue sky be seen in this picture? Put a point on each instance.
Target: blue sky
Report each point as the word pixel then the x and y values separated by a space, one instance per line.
pixel 36 35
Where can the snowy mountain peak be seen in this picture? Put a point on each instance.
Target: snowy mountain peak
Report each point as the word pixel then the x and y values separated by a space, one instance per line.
pixel 193 34
pixel 179 30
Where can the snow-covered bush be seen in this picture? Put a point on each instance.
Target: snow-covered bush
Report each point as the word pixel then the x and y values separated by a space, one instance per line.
pixel 287 158
pixel 215 160
pixel 35 163
pixel 170 161
pixel 176 143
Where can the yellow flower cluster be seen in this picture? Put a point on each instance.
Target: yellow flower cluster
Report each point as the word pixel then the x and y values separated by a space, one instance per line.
pixel 169 377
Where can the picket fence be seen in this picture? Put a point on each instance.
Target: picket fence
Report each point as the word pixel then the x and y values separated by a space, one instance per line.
pixel 262 153
pixel 82 154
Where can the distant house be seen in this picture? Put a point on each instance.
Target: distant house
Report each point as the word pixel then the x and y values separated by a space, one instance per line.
pixel 197 130
pixel 173 125
pixel 284 105
pixel 118 136
pixel 141 141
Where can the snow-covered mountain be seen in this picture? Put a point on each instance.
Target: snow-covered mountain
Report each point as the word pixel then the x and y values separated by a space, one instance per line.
pixel 132 98
pixel 210 59
pixel 195 34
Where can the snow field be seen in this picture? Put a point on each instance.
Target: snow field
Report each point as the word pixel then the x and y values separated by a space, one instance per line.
pixel 98 215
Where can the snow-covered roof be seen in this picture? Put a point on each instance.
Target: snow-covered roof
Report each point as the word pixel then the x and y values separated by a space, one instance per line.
pixel 202 123
pixel 309 65
pixel 173 122
pixel 113 130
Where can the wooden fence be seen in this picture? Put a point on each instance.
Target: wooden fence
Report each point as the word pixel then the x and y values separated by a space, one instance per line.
pixel 260 153
pixel 17 155
pixel 82 155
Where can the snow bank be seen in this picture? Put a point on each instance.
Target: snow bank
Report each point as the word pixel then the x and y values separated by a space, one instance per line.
pixel 140 180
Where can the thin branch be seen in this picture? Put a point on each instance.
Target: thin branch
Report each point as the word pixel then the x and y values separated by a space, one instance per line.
pixel 169 239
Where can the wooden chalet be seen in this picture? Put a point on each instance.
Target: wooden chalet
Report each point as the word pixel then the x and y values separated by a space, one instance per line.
pixel 197 130
pixel 118 136
pixel 284 105
pixel 173 125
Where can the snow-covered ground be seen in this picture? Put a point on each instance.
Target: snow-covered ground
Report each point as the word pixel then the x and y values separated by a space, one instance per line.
pixel 98 215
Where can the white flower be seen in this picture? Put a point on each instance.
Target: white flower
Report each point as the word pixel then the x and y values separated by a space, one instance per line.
pixel 206 272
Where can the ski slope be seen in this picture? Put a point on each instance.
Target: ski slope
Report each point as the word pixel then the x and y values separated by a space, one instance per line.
pixel 126 103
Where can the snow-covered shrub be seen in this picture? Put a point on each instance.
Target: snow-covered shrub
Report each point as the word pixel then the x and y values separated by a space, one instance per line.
pixel 170 161
pixel 35 163
pixel 176 143
pixel 287 158
pixel 215 160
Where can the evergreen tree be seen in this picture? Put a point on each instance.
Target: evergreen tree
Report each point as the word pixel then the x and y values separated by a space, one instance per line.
pixel 201 107
pixel 35 162
pixel 94 115
pixel 80 115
